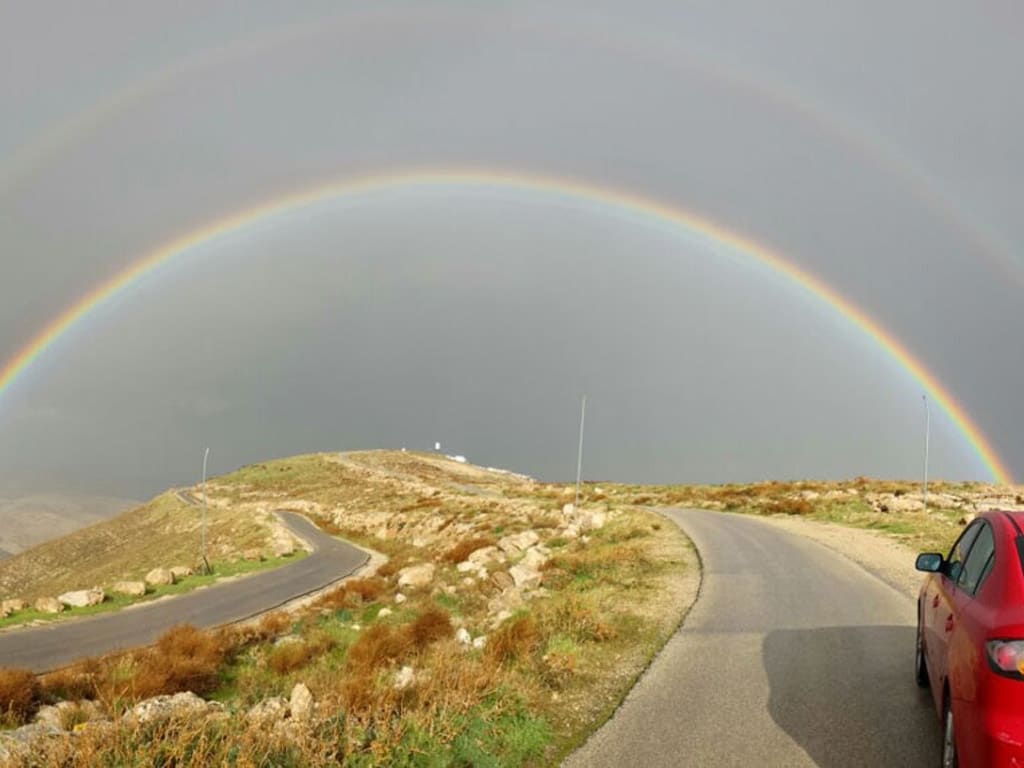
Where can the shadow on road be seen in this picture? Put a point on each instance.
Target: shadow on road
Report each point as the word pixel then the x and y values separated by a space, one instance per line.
pixel 847 696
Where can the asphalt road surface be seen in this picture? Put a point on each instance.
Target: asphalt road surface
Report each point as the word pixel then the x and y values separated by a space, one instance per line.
pixel 791 656
pixel 59 644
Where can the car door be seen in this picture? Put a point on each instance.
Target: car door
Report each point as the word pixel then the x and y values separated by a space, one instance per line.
pixel 966 626
pixel 939 606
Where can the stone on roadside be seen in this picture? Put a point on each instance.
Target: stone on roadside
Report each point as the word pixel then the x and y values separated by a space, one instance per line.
pixel 160 577
pixel 130 588
pixel 185 704
pixel 49 605
pixel 253 555
pixel 282 548
pixel 179 572
pixel 13 605
pixel 83 598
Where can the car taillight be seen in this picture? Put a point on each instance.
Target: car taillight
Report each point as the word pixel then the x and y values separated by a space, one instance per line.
pixel 1006 657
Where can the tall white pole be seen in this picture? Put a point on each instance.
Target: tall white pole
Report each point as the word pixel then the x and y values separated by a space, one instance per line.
pixel 206 563
pixel 927 440
pixel 579 456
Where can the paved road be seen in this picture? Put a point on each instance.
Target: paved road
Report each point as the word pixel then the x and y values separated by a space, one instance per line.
pixel 59 644
pixel 791 656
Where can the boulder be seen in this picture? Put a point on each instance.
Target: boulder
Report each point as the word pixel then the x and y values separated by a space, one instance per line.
pixel 130 588
pixel 49 605
pixel 591 520
pixel 282 548
pixel 163 707
pixel 480 642
pixel 568 510
pixel 160 577
pixel 13 605
pixel 383 612
pixel 515 543
pixel 83 598
pixel 416 575
pixel 463 636
pixel 179 572
pixel 400 598
pixel 482 557
pixel 301 704
pixel 68 713
pixel 525 576
pixel 268 711
pixel 535 557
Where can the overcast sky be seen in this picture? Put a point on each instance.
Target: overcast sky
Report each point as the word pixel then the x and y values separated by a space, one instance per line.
pixel 874 145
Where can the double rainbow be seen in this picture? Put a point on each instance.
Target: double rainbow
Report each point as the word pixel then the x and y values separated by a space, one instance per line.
pixel 617 201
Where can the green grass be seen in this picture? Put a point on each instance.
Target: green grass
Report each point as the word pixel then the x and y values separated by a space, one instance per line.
pixel 187 584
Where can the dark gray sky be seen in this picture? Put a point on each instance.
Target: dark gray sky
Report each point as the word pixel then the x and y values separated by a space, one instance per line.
pixel 877 147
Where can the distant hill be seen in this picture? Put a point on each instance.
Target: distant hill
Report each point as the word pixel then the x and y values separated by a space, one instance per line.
pixel 29 520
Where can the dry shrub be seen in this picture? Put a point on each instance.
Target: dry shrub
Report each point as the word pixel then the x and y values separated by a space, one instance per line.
pixel 333 600
pixel 184 659
pixel 77 682
pixel 274 624
pixel 287 658
pixel 368 590
pixel 432 625
pixel 572 618
pixel 464 549
pixel 557 669
pixel 379 645
pixel 19 695
pixel 513 639
pixel 790 507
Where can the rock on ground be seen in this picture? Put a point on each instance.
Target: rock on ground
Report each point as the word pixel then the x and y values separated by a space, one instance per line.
pixel 49 605
pixel 301 705
pixel 83 598
pixel 130 588
pixel 416 575
pixel 160 577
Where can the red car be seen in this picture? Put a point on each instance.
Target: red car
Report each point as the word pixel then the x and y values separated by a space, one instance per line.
pixel 970 642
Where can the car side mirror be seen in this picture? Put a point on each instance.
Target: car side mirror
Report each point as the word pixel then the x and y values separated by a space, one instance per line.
pixel 929 562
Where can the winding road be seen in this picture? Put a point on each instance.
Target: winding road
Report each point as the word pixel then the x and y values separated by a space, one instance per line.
pixel 62 642
pixel 792 656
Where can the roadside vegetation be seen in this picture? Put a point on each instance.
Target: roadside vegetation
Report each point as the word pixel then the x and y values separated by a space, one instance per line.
pixel 468 668
pixel 895 509
pixel 115 602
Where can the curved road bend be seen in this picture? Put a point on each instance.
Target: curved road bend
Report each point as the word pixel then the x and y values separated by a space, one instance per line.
pixel 791 656
pixel 59 644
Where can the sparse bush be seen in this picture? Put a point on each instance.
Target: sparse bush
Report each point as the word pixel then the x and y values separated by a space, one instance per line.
pixel 368 590
pixel 291 656
pixel 790 507
pixel 19 696
pixel 432 625
pixel 513 639
pixel 378 646
pixel 184 659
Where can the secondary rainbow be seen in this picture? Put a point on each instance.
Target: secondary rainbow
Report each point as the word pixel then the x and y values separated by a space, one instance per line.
pixel 618 200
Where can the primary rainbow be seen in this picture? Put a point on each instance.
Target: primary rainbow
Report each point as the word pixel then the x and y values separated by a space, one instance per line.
pixel 621 201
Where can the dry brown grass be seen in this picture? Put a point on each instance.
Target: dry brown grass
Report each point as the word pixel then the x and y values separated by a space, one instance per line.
pixel 287 658
pixel 19 696
pixel 513 640
pixel 430 626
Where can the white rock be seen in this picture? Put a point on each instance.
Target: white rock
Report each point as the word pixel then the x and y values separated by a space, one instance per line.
pixel 49 605
pixel 179 572
pixel 268 711
pixel 130 588
pixel 515 543
pixel 591 520
pixel 535 557
pixel 83 598
pixel 383 612
pixel 301 705
pixel 525 576
pixel 416 575
pixel 161 707
pixel 469 581
pixel 400 598
pixel 405 677
pixel 160 577
pixel 569 509
pixel 571 532
pixel 13 605
pixel 480 642
pixel 282 548
pixel 466 566
pixel 463 636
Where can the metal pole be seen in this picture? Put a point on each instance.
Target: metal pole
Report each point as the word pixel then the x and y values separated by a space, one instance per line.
pixel 927 440
pixel 206 563
pixel 579 457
